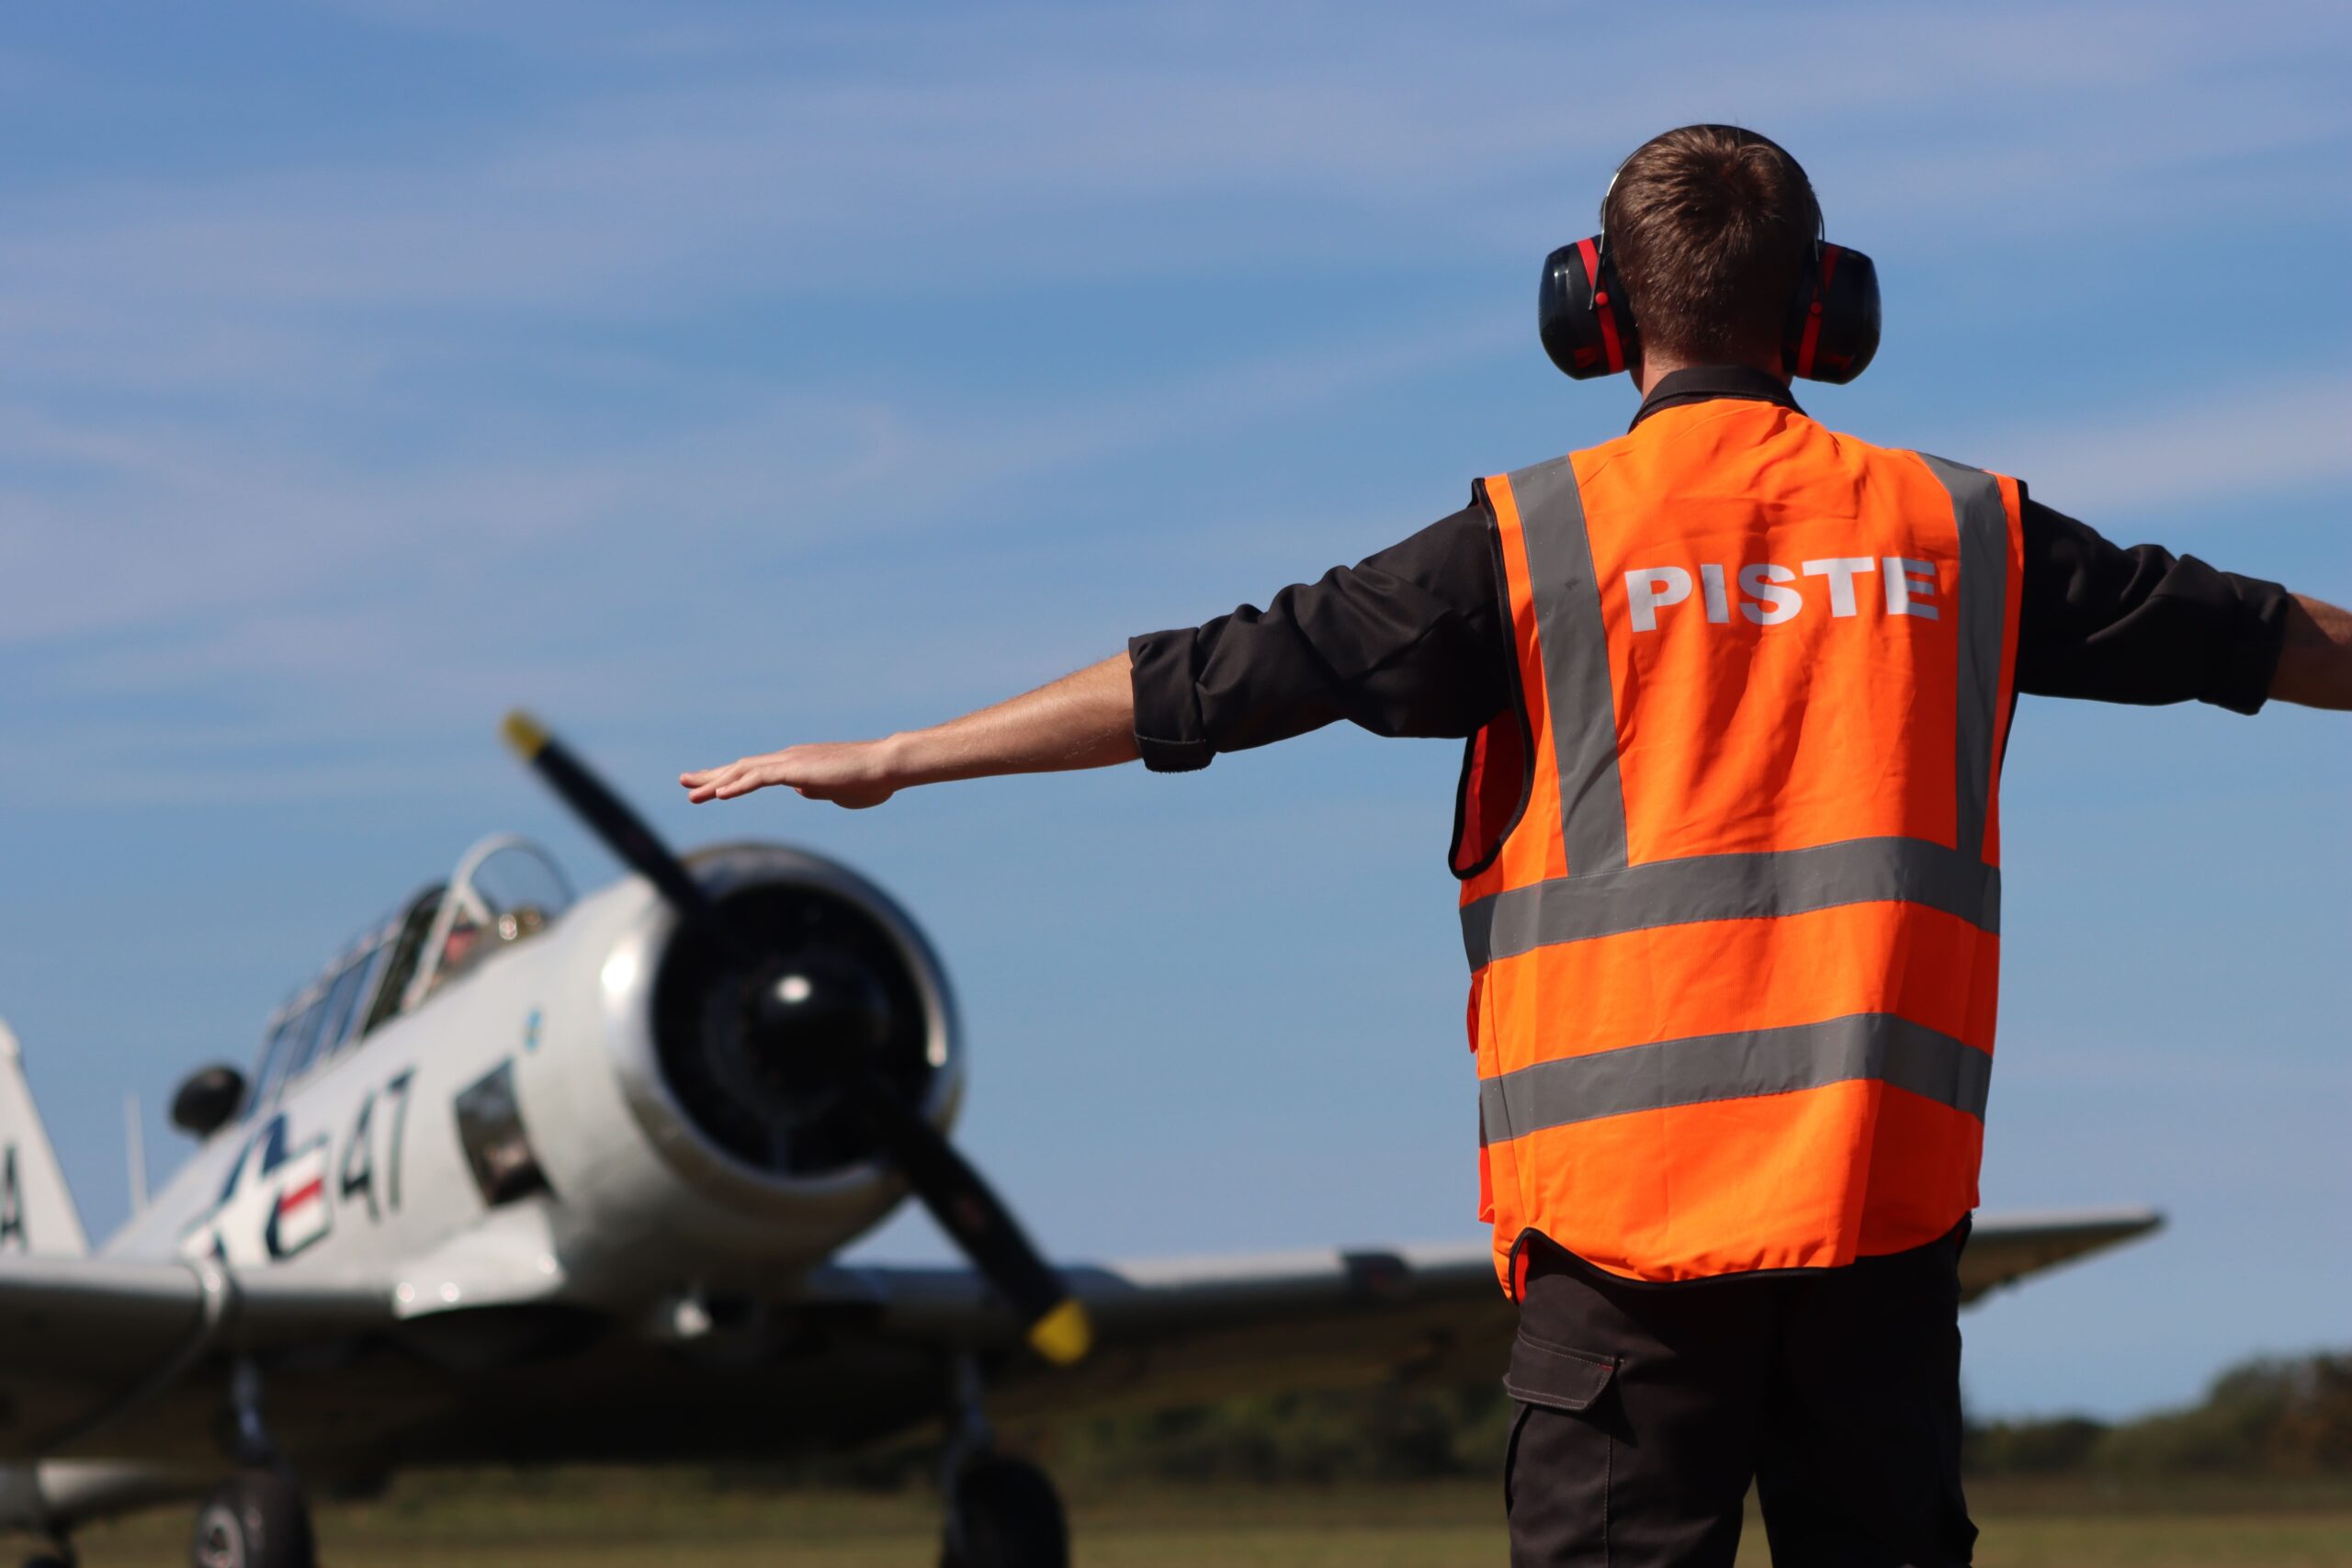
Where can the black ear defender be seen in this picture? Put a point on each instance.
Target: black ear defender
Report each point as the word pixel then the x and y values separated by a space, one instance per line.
pixel 1581 313
pixel 1832 334
pixel 1589 329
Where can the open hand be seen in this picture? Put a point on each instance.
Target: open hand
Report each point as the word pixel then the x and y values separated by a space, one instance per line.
pixel 853 774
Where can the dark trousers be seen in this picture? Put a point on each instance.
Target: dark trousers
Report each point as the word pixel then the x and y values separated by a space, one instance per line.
pixel 1646 1410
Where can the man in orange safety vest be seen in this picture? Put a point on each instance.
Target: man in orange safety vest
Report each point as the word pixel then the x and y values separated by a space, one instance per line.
pixel 1735 689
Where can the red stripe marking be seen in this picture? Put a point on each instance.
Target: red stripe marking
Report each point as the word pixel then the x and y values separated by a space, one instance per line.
pixel 1601 305
pixel 1812 315
pixel 296 1197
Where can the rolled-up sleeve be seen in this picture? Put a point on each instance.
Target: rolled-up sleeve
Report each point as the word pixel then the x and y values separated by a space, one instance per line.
pixel 1169 733
pixel 2140 625
pixel 1414 641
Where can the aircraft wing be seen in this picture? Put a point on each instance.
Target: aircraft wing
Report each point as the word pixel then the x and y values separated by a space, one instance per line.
pixel 2005 1248
pixel 1184 1331
pixel 99 1356
pixel 84 1339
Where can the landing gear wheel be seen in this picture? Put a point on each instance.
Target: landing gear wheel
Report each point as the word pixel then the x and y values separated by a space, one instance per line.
pixel 256 1518
pixel 1005 1514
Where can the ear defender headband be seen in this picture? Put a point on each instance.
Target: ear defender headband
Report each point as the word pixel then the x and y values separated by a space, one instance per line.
pixel 1589 329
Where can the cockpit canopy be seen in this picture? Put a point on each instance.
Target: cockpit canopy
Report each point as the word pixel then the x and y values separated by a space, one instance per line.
pixel 505 890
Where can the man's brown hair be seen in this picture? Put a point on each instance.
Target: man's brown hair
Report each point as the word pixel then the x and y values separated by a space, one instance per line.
pixel 1708 227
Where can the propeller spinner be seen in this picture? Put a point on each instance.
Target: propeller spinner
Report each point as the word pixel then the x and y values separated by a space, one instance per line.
pixel 821 1019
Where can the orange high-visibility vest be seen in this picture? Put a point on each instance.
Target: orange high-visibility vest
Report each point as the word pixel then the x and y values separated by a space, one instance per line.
pixel 1731 882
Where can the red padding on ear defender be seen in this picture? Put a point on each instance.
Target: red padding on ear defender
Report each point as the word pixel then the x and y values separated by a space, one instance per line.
pixel 1813 313
pixel 1602 306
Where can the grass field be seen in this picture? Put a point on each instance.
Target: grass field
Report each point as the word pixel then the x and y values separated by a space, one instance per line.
pixel 631 1521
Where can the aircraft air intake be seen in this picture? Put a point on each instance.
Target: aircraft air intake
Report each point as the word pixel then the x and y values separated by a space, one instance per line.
pixel 750 1053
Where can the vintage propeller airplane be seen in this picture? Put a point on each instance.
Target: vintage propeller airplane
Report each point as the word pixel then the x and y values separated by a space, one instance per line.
pixel 522 1178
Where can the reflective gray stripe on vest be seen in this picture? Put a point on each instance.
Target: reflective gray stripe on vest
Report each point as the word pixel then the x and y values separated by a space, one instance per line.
pixel 1703 1067
pixel 1732 887
pixel 1984 525
pixel 1575 665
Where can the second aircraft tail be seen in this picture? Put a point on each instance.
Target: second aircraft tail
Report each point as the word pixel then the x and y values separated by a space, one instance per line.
pixel 37 1213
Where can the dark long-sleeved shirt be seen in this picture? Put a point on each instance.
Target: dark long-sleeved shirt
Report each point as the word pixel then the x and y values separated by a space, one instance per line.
pixel 1417 640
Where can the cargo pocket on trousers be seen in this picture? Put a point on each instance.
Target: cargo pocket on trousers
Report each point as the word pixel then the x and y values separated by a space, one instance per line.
pixel 1557 1377
pixel 1572 1458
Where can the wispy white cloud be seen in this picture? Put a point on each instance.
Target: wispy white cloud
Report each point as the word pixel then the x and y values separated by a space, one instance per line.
pixel 179 525
pixel 2241 444
pixel 258 426
pixel 1004 148
pixel 290 583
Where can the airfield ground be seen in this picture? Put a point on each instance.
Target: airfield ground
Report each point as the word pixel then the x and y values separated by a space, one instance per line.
pixel 634 1521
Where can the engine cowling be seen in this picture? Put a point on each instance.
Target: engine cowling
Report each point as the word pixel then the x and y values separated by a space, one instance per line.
pixel 719 1065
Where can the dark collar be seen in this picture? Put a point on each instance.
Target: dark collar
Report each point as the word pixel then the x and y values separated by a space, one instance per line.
pixel 1701 383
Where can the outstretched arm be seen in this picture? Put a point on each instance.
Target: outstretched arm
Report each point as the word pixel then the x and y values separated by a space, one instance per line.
pixel 1083 720
pixel 2315 663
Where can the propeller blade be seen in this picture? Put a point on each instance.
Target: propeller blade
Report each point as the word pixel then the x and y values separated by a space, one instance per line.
pixel 621 829
pixel 981 1226
pixel 944 1182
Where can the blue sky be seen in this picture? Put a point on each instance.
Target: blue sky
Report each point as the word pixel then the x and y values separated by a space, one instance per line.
pixel 707 378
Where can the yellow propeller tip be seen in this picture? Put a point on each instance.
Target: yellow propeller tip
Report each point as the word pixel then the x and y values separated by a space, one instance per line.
pixel 1064 1335
pixel 524 734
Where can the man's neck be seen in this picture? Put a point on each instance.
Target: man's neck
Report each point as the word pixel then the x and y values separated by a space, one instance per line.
pixel 1656 368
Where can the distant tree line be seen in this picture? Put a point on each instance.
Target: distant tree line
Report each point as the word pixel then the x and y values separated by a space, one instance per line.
pixel 2274 1417
pixel 2270 1418
pixel 1381 1433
